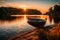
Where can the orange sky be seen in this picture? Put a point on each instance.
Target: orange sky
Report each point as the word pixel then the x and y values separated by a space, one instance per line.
pixel 42 9
pixel 42 5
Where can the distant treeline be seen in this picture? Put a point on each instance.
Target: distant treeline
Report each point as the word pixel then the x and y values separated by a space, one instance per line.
pixel 6 12
pixel 16 11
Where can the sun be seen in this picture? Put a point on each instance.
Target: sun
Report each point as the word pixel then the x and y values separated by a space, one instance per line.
pixel 24 9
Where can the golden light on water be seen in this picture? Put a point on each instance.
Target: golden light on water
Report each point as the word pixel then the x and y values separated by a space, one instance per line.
pixel 22 22
pixel 44 17
pixel 25 19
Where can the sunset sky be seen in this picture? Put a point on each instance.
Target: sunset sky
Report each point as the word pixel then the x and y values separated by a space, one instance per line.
pixel 42 5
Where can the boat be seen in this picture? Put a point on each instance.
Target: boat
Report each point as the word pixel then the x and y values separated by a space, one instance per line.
pixel 38 23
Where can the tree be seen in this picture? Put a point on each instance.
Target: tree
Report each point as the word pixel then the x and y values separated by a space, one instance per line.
pixel 54 13
pixel 6 12
pixel 4 15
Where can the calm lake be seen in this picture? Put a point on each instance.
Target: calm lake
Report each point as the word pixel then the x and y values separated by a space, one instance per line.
pixel 19 25
pixel 21 21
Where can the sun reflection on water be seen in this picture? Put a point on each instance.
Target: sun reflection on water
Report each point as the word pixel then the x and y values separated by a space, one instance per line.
pixel 22 22
pixel 25 19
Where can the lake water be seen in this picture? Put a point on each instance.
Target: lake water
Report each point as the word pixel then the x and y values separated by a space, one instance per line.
pixel 21 21
pixel 19 25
